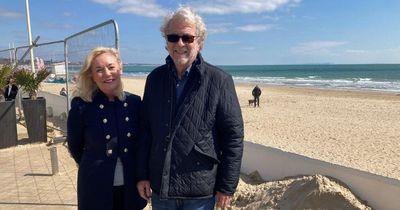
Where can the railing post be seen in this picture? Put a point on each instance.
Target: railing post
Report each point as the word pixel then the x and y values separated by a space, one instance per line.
pixel 54 160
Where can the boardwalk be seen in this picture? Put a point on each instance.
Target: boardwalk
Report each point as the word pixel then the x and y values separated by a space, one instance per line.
pixel 26 179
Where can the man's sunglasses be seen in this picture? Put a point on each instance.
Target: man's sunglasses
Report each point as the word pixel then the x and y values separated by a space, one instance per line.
pixel 185 38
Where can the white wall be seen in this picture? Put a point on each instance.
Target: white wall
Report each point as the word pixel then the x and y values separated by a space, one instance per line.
pixel 273 164
pixel 58 103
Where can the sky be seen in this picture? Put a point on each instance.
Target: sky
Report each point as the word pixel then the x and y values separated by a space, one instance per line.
pixel 239 32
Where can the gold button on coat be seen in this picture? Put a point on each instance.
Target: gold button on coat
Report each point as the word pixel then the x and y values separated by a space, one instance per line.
pixel 109 152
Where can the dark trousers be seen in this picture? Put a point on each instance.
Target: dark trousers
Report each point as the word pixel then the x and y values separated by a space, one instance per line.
pixel 182 204
pixel 256 101
pixel 118 198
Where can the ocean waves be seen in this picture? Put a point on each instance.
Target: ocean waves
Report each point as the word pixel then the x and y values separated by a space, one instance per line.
pixel 313 81
pixel 375 77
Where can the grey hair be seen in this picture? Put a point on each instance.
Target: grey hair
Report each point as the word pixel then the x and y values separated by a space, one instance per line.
pixel 190 16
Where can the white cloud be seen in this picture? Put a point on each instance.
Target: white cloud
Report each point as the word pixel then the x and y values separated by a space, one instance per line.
pixel 295 3
pixel 248 48
pixel 226 27
pixel 219 28
pixel 106 1
pixel 385 55
pixel 9 14
pixel 254 28
pixel 66 14
pixel 240 6
pixel 150 8
pixel 316 47
pixel 147 8
pixel 356 51
pixel 227 42
pixel 272 18
pixel 212 30
pixel 335 52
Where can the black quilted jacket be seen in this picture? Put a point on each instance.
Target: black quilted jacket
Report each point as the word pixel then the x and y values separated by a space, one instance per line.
pixel 196 149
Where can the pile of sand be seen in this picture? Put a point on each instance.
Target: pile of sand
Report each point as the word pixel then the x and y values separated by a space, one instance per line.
pixel 301 192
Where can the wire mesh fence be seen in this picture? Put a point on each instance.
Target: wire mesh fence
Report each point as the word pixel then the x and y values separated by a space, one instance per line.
pixel 7 56
pixel 80 44
pixel 63 58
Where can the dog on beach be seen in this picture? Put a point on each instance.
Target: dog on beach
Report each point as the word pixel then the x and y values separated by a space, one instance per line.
pixel 251 102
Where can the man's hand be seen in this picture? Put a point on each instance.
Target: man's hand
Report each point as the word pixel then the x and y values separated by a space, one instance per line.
pixel 144 189
pixel 223 200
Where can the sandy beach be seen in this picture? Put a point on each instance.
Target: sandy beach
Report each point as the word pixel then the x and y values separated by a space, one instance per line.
pixel 356 129
pixel 350 128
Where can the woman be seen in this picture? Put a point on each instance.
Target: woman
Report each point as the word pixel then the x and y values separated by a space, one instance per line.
pixel 102 130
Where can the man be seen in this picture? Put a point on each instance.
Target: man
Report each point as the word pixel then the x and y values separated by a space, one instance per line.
pixel 256 94
pixel 193 128
pixel 11 90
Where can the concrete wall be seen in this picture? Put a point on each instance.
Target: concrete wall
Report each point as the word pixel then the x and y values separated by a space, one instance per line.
pixel 58 103
pixel 8 124
pixel 273 164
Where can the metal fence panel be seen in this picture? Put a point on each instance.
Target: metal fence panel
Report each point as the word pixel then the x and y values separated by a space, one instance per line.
pixel 80 44
pixel 64 58
pixel 7 56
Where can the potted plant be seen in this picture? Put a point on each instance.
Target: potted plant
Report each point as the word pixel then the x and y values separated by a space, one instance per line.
pixel 8 122
pixel 34 107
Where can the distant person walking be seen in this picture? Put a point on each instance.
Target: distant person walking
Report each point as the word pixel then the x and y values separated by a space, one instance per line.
pixel 256 94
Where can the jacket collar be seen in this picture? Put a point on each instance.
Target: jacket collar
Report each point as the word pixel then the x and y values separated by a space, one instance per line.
pixel 100 97
pixel 197 65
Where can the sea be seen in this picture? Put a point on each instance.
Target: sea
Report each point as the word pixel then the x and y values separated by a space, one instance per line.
pixel 371 77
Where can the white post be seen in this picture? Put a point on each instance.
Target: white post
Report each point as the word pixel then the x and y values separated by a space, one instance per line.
pixel 28 22
pixel 54 160
pixel 10 53
pixel 13 54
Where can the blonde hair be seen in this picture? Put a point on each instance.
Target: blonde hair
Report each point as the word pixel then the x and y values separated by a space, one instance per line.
pixel 86 87
pixel 189 16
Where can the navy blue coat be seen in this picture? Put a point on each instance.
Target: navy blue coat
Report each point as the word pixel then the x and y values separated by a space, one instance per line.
pixel 194 149
pixel 98 133
pixel 13 92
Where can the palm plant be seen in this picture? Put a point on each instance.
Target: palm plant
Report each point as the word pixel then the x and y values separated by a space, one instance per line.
pixel 5 72
pixel 31 81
